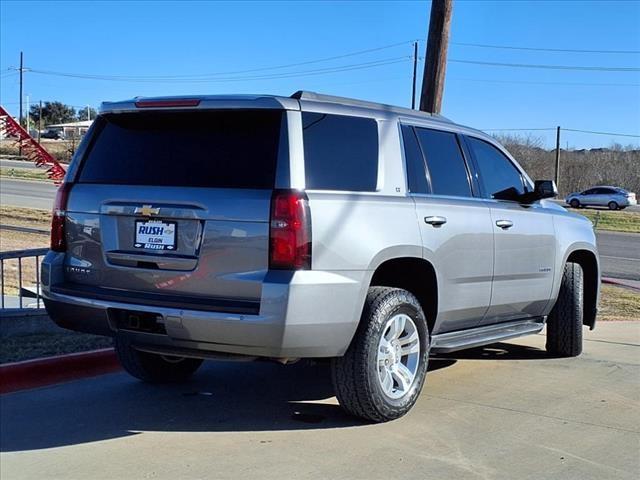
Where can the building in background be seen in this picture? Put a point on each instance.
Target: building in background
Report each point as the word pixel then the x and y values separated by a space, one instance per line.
pixel 71 129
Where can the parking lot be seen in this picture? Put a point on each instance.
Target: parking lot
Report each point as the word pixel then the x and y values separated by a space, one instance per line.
pixel 505 411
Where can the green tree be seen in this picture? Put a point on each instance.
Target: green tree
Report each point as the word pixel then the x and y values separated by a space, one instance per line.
pixel 82 114
pixel 52 113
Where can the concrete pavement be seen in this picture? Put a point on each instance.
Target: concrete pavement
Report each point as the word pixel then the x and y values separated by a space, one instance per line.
pixel 505 412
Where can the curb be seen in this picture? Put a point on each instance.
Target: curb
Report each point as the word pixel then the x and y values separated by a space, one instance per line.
pixel 620 283
pixel 61 368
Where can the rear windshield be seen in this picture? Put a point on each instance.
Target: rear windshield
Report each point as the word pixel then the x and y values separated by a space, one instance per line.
pixel 224 149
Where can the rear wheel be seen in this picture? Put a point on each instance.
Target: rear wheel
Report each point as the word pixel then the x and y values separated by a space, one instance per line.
pixel 151 367
pixel 613 206
pixel 574 203
pixel 381 375
pixel 564 324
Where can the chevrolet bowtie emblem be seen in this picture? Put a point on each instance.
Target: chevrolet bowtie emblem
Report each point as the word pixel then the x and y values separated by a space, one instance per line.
pixel 147 210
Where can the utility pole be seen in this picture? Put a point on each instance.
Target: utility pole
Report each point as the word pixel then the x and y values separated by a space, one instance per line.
pixel 20 117
pixel 415 69
pixel 40 122
pixel 88 113
pixel 21 70
pixel 557 179
pixel 436 58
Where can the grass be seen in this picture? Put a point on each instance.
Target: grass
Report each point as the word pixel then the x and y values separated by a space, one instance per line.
pixel 25 217
pixel 617 221
pixel 12 240
pixel 39 345
pixel 60 149
pixel 25 173
pixel 617 303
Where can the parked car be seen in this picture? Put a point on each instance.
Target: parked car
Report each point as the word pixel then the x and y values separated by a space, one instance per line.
pixel 53 134
pixel 310 226
pixel 613 197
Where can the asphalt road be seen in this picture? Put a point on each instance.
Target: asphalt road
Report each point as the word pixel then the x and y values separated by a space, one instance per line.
pixel 4 163
pixel 632 208
pixel 501 412
pixel 21 193
pixel 619 254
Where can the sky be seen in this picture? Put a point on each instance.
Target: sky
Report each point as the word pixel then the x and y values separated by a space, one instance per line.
pixel 111 42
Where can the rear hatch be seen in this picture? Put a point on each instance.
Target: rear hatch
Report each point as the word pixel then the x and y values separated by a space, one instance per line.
pixel 172 208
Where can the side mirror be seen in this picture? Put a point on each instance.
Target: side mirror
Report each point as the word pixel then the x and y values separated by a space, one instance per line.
pixel 545 189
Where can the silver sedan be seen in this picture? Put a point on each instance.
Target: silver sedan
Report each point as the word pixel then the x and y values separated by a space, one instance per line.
pixel 613 197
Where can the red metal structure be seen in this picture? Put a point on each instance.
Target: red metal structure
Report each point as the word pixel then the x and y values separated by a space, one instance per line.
pixel 31 149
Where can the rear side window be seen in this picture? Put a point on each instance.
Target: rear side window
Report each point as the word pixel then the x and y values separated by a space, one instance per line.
pixel 497 173
pixel 340 152
pixel 416 174
pixel 223 149
pixel 446 165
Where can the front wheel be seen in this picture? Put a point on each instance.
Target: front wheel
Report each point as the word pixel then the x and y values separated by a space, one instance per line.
pixel 613 206
pixel 574 203
pixel 564 324
pixel 381 375
pixel 151 367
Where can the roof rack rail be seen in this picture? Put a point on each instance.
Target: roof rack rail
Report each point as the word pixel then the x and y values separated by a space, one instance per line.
pixel 319 97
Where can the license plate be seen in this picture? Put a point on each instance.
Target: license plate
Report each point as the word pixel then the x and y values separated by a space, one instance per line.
pixel 155 235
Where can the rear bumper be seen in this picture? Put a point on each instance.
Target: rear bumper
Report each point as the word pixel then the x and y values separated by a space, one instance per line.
pixel 302 314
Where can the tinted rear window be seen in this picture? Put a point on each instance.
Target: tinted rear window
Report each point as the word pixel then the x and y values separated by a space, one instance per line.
pixel 224 149
pixel 445 162
pixel 340 152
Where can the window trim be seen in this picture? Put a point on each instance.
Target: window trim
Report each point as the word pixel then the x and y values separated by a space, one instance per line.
pixel 483 194
pixel 473 185
pixel 401 127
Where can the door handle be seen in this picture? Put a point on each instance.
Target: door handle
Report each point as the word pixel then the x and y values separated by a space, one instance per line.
pixel 435 220
pixel 504 224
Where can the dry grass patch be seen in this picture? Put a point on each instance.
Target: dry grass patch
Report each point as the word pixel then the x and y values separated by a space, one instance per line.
pixel 25 217
pixel 12 240
pixel 25 173
pixel 618 303
pixel 617 221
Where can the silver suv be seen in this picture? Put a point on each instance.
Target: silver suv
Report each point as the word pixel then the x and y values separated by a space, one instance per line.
pixel 315 227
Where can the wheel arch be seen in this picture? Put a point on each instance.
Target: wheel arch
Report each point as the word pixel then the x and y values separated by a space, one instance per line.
pixel 414 274
pixel 588 260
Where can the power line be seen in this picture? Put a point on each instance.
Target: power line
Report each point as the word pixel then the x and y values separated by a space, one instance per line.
pixel 216 74
pixel 321 71
pixel 602 133
pixel 539 49
pixel 550 67
pixel 611 134
pixel 547 83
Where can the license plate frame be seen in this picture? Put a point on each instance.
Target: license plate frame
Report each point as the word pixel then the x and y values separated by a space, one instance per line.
pixel 166 239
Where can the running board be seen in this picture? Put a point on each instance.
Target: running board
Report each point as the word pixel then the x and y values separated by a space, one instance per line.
pixel 485 335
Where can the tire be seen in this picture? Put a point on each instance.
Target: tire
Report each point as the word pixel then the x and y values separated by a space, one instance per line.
pixel 153 368
pixel 613 206
pixel 574 203
pixel 357 375
pixel 564 324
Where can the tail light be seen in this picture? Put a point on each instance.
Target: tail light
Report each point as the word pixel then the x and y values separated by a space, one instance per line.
pixel 58 241
pixel 290 231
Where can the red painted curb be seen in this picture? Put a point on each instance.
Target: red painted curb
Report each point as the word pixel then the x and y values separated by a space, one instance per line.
pixel 621 283
pixel 51 370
